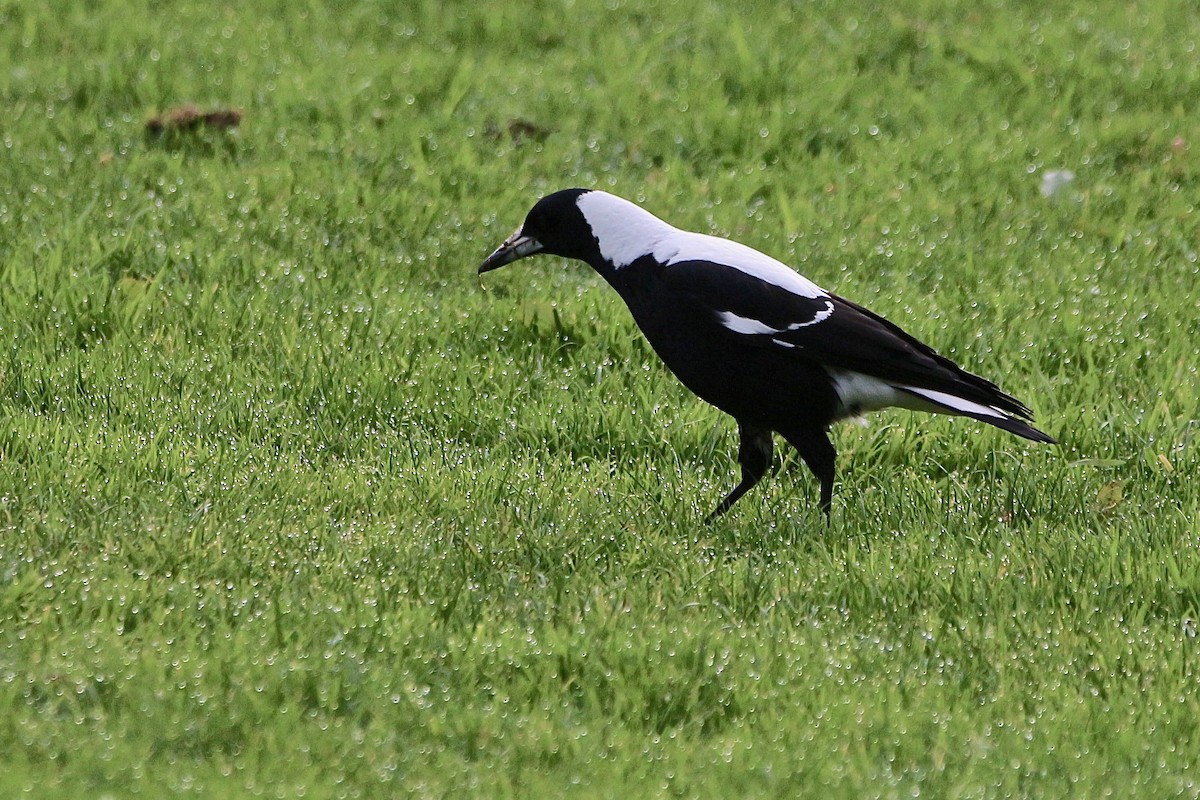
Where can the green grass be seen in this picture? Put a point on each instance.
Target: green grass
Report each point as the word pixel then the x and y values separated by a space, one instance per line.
pixel 292 503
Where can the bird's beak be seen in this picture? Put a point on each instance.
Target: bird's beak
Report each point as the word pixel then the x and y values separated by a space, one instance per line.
pixel 515 247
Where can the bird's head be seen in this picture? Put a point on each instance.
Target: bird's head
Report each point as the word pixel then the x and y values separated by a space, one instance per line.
pixel 555 226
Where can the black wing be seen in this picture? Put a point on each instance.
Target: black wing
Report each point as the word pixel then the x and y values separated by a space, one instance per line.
pixel 826 329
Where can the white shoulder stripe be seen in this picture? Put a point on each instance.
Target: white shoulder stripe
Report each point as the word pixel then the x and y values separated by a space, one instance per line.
pixel 626 232
pixel 747 260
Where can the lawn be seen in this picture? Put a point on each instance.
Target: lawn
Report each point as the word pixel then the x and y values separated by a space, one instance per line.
pixel 292 503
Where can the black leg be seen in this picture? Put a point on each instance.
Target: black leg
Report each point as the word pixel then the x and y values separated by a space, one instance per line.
pixel 818 453
pixel 754 454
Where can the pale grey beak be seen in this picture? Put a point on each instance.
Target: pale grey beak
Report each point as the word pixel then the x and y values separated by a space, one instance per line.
pixel 515 247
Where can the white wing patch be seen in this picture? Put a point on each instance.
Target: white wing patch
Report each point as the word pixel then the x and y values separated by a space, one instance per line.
pixel 748 325
pixel 626 232
pixel 744 324
pixel 820 316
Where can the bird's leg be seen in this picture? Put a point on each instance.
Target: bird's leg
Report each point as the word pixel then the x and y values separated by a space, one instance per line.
pixel 819 454
pixel 754 454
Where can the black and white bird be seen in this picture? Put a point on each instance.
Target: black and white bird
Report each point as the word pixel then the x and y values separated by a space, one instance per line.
pixel 753 337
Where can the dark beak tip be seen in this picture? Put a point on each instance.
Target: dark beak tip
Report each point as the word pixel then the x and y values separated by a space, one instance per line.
pixel 514 249
pixel 492 262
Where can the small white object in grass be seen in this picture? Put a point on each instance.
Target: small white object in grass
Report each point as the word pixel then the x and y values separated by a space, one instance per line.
pixel 1055 180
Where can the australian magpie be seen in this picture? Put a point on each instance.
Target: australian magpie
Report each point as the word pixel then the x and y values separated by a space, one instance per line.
pixel 753 337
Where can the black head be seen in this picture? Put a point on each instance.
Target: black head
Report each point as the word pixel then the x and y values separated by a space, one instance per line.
pixel 555 226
